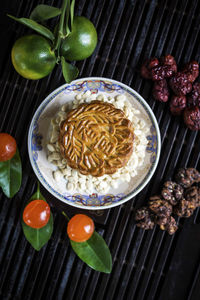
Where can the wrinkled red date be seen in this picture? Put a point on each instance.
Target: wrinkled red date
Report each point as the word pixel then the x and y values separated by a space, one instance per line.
pixel 192 117
pixel 180 84
pixel 169 60
pixel 194 96
pixel 161 91
pixel 147 66
pixel 177 104
pixel 191 69
pixel 185 93
pixel 161 72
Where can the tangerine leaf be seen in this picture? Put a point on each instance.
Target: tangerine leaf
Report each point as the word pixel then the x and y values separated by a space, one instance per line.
pixel 38 237
pixel 35 26
pixel 94 252
pixel 70 72
pixel 44 12
pixel 37 195
pixel 11 175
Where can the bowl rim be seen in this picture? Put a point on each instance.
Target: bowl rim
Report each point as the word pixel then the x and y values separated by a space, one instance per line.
pixel 131 194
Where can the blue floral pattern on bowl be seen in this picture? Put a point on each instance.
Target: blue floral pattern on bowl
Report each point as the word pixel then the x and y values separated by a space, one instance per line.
pixel 38 130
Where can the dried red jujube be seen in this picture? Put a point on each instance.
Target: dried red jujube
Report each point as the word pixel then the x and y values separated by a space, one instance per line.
pixel 160 72
pixel 160 91
pixel 147 66
pixel 194 97
pixel 191 69
pixel 180 84
pixel 192 117
pixel 177 104
pixel 169 60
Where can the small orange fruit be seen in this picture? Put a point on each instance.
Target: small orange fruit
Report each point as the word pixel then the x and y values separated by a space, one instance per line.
pixel 36 214
pixel 8 146
pixel 80 228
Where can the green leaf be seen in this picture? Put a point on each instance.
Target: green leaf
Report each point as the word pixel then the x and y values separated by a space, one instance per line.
pixel 70 72
pixel 35 26
pixel 38 237
pixel 37 195
pixel 94 252
pixel 44 12
pixel 11 175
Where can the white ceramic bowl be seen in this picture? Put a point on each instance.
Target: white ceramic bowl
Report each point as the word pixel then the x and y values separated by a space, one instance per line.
pixel 38 138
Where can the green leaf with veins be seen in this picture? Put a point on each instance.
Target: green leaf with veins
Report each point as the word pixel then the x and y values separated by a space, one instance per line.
pixel 35 26
pixel 44 12
pixel 94 252
pixel 11 175
pixel 70 72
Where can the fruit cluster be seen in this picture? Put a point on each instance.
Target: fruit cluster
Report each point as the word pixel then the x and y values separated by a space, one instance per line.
pixel 73 38
pixel 180 197
pixel 180 86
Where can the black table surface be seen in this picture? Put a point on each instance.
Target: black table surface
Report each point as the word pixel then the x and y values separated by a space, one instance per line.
pixel 146 264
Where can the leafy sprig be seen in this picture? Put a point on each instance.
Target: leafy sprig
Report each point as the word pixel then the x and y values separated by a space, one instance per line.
pixel 42 13
pixel 94 252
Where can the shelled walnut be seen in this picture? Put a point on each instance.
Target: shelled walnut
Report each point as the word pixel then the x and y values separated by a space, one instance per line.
pixel 172 192
pixel 170 226
pixel 180 197
pixel 185 208
pixel 144 218
pixel 159 206
pixel 191 194
pixel 198 200
pixel 187 176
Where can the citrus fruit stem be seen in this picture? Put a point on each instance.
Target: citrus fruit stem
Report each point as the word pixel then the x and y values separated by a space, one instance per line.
pixel 65 215
pixel 61 32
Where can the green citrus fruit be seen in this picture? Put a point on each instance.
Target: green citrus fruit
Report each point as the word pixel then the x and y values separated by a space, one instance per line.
pixel 81 42
pixel 32 57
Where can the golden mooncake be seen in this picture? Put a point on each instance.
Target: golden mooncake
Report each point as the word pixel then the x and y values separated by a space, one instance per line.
pixel 96 138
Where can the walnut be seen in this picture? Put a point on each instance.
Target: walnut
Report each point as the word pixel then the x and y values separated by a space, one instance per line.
pixel 159 206
pixel 172 192
pixel 187 176
pixel 170 226
pixel 185 208
pixel 161 220
pixel 191 194
pixel 144 218
pixel 198 200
